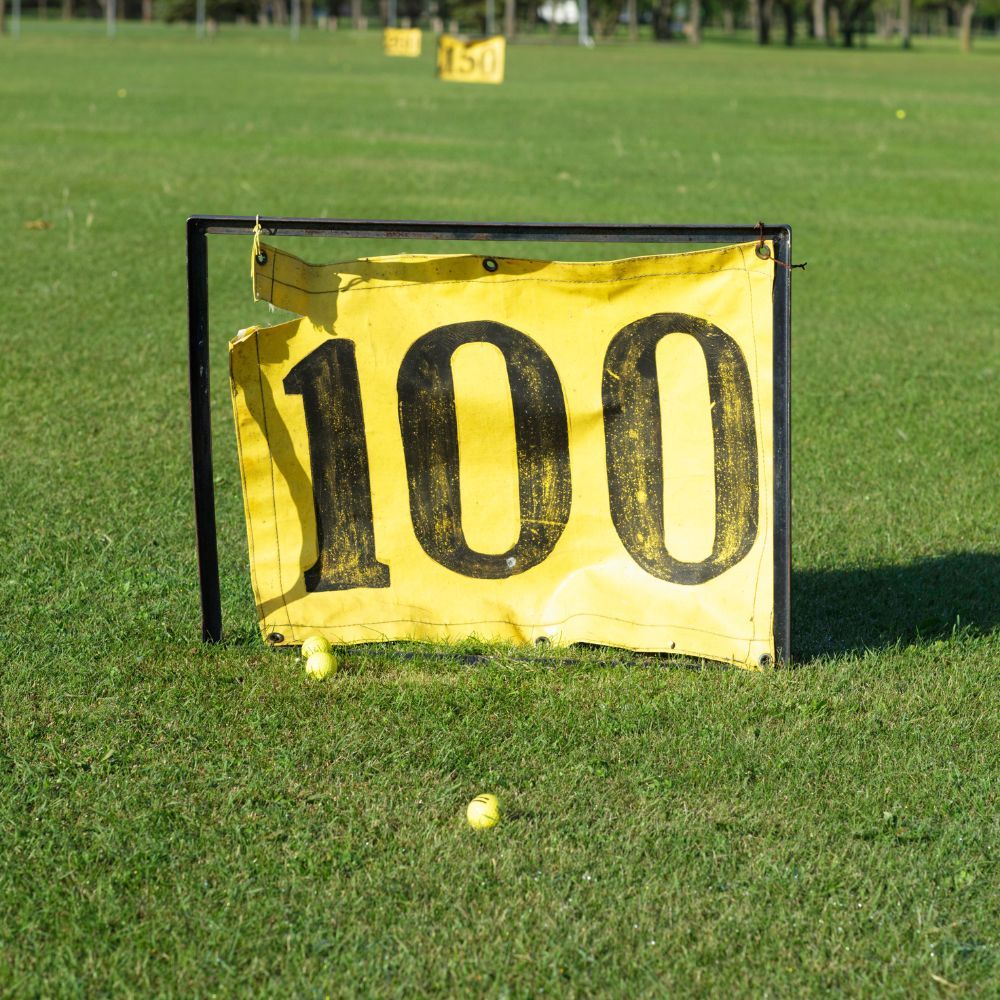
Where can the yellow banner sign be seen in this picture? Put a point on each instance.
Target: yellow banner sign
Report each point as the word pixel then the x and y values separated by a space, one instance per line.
pixel 479 61
pixel 401 41
pixel 450 446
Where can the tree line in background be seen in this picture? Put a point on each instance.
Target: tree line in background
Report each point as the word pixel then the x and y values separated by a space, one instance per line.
pixel 846 21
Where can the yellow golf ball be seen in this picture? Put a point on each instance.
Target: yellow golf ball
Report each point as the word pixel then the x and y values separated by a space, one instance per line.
pixel 900 114
pixel 483 812
pixel 319 666
pixel 314 644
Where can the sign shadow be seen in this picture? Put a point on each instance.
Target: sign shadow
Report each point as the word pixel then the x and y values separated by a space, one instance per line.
pixel 851 610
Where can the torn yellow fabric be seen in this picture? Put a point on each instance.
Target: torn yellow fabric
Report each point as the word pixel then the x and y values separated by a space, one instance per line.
pixel 452 446
pixel 479 61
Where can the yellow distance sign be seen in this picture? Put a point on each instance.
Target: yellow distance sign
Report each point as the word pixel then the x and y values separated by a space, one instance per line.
pixel 479 61
pixel 401 41
pixel 442 447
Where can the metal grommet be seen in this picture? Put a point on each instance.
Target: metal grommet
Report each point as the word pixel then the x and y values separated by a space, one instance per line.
pixel 275 637
pixel 490 264
pixel 762 251
pixel 261 257
pixel 765 661
pixel 541 641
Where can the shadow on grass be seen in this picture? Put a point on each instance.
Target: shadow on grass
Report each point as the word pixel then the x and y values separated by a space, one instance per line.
pixel 833 611
pixel 850 610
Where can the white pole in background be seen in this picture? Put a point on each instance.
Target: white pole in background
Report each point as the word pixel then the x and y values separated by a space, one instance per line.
pixel 15 18
pixel 199 18
pixel 112 13
pixel 296 19
pixel 491 17
pixel 391 15
pixel 584 23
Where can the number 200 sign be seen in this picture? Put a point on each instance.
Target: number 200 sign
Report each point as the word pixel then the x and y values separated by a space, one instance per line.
pixel 450 446
pixel 401 42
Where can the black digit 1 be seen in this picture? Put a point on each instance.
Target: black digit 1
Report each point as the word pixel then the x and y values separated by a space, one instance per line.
pixel 429 429
pixel 634 445
pixel 327 380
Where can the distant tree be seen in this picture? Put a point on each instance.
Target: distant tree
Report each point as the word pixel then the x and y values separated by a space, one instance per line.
pixel 761 13
pixel 966 11
pixel 217 10
pixel 730 12
pixel 632 11
pixel 853 14
pixel 790 12
pixel 819 19
pixel 604 15
pixel 413 10
pixel 969 9
pixel 884 13
pixel 694 22
pixel 663 17
pixel 905 18
pixel 728 18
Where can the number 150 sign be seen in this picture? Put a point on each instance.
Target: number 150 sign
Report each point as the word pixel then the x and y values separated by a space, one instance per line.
pixel 479 61
pixel 450 446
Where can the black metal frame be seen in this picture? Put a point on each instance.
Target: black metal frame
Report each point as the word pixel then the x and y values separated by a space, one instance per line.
pixel 200 227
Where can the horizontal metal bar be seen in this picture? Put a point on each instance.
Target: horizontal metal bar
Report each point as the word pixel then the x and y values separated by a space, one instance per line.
pixel 244 225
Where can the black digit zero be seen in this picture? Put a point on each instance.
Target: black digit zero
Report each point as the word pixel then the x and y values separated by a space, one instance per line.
pixel 429 428
pixel 634 446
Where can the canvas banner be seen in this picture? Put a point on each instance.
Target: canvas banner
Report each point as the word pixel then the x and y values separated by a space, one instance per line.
pixel 478 61
pixel 401 41
pixel 440 447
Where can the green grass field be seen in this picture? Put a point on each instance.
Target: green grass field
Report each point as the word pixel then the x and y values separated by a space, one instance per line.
pixel 183 820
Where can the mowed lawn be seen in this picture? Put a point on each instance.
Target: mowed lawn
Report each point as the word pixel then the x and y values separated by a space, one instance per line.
pixel 187 820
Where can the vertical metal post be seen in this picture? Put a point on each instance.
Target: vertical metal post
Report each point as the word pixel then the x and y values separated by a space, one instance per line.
pixel 199 18
pixel 15 18
pixel 491 17
pixel 782 429
pixel 391 15
pixel 112 13
pixel 296 19
pixel 201 431
pixel 584 23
